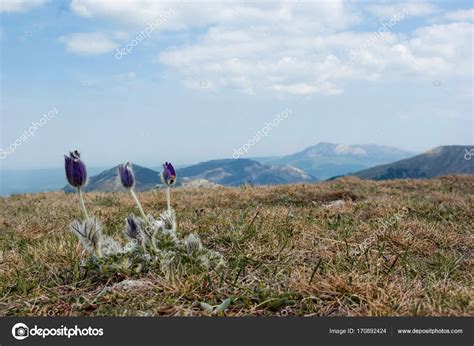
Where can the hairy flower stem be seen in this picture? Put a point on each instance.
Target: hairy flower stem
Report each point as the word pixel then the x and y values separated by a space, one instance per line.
pixel 98 246
pixel 83 206
pixel 138 204
pixel 168 199
pixel 153 245
pixel 98 249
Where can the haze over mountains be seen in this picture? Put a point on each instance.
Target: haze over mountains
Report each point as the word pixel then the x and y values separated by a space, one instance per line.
pixel 36 180
pixel 326 160
pixel 319 162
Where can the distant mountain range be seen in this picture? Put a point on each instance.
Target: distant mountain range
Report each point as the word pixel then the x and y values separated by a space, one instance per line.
pixel 233 172
pixel 325 160
pixel 433 163
pixel 333 158
pixel 227 172
pixel 322 161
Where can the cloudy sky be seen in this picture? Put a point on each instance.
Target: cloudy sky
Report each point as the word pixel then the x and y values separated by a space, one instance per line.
pixel 188 81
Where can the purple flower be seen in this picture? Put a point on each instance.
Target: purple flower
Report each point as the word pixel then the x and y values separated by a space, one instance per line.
pixel 76 172
pixel 126 175
pixel 132 229
pixel 169 174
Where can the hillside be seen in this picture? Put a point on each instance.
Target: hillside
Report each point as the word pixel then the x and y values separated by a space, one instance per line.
pixel 348 247
pixel 325 160
pixel 222 172
pixel 146 179
pixel 232 172
pixel 443 160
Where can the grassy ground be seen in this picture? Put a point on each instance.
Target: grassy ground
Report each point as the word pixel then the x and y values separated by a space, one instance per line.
pixel 346 247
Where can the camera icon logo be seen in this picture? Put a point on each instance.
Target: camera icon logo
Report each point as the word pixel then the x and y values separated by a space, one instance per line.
pixel 20 331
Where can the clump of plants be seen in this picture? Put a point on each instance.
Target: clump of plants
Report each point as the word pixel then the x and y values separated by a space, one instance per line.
pixel 153 243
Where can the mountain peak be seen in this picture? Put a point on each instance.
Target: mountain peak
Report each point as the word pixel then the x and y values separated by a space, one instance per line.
pixel 334 149
pixel 325 160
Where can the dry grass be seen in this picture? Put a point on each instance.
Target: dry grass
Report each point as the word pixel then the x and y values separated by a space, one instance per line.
pixel 290 251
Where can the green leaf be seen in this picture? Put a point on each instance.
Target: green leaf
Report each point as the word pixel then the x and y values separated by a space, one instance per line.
pixel 206 307
pixel 278 303
pixel 224 305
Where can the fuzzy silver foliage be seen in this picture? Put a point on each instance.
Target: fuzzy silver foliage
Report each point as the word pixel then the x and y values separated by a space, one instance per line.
pixel 110 246
pixel 204 260
pixel 132 232
pixel 89 233
pixel 151 242
pixel 169 220
pixel 135 234
pixel 192 243
pixel 169 264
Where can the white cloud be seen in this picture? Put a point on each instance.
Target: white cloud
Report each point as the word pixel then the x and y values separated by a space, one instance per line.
pixel 293 47
pixel 88 43
pixel 461 15
pixel 138 13
pixel 414 9
pixel 306 63
pixel 19 5
pixel 305 89
pixel 196 13
pixel 444 49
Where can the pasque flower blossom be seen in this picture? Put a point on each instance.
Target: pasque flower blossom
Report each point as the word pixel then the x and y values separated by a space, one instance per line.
pixel 76 174
pixel 128 181
pixel 153 243
pixel 168 176
pixel 126 175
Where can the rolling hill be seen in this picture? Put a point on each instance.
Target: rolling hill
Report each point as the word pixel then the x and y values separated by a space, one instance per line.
pixel 232 172
pixel 227 172
pixel 442 160
pixel 146 179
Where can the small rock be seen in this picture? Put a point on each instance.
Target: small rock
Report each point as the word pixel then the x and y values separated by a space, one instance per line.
pixel 335 203
pixel 126 285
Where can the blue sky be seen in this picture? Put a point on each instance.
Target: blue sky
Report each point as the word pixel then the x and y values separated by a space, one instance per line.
pixel 210 75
